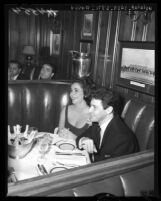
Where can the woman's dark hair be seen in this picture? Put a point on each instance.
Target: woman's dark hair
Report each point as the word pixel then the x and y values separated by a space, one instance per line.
pixel 84 83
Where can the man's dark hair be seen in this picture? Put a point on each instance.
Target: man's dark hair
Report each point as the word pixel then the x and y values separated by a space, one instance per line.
pixel 16 62
pixel 51 65
pixel 107 96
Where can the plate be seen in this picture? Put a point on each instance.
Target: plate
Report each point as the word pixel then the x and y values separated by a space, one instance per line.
pixel 57 169
pixel 66 146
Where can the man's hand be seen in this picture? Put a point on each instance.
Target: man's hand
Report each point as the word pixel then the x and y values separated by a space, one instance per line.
pixel 87 144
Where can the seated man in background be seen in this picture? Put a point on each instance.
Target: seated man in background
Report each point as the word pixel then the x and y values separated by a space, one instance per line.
pixel 109 137
pixel 46 72
pixel 15 71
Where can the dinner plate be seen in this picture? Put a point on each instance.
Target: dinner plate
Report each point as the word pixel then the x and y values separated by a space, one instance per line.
pixel 57 169
pixel 66 146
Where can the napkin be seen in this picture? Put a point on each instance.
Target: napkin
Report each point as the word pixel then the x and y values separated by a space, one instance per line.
pixel 66 157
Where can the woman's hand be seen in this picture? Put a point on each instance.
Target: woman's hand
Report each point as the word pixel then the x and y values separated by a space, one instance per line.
pixel 67 134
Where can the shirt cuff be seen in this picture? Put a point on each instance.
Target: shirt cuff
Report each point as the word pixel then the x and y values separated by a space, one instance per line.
pixel 80 143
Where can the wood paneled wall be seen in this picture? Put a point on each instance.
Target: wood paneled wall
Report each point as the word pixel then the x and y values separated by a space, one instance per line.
pixel 115 26
pixel 109 28
pixel 134 31
pixel 27 30
pixel 35 30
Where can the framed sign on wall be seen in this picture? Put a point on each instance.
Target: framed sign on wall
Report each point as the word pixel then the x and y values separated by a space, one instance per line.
pixel 87 27
pixel 136 66
pixel 55 40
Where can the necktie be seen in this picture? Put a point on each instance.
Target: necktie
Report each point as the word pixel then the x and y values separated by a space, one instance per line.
pixel 98 135
pixel 97 142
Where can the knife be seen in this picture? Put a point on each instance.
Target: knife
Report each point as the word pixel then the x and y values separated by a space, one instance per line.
pixel 40 167
pixel 64 153
pixel 44 169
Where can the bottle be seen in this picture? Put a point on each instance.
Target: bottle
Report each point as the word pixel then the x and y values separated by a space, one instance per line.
pixel 11 175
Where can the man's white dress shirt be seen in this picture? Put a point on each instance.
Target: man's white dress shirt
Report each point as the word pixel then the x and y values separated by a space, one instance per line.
pixel 103 125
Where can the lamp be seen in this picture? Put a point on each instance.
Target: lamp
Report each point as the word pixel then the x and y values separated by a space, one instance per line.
pixel 29 51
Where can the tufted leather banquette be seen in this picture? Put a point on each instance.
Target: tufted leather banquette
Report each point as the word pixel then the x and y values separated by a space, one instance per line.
pixel 139 182
pixel 38 103
pixel 140 119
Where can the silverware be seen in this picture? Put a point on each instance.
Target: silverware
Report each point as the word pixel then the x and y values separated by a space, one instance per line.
pixel 42 169
pixel 64 153
pixel 66 165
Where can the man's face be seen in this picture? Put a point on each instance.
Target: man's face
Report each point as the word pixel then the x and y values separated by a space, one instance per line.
pixel 14 70
pixel 46 72
pixel 98 113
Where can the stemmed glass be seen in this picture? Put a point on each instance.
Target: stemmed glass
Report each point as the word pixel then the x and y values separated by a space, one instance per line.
pixel 44 148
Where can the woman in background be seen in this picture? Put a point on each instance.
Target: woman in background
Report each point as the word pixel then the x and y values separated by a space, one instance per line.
pixel 75 118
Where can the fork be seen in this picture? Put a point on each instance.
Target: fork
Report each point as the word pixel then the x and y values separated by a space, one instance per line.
pixel 69 165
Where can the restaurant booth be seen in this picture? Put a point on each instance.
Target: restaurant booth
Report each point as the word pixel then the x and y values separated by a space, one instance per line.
pixel 38 102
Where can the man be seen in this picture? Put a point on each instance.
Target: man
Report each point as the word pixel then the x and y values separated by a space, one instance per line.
pixel 46 72
pixel 14 71
pixel 109 137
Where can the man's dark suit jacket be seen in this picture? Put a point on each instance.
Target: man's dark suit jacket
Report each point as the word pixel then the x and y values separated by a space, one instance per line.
pixel 118 140
pixel 22 76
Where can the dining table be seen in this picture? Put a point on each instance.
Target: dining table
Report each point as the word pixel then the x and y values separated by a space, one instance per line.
pixel 50 153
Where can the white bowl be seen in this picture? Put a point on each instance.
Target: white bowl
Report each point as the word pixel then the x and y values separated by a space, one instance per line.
pixel 22 147
pixel 20 151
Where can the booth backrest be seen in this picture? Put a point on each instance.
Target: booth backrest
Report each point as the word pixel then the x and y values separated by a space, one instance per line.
pixel 135 183
pixel 36 103
pixel 138 182
pixel 140 119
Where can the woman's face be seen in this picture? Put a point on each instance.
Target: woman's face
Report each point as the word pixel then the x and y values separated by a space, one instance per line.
pixel 76 93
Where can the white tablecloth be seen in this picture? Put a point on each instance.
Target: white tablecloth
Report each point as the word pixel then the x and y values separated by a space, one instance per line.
pixel 27 167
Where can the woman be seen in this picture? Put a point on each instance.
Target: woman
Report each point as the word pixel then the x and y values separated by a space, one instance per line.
pixel 74 118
